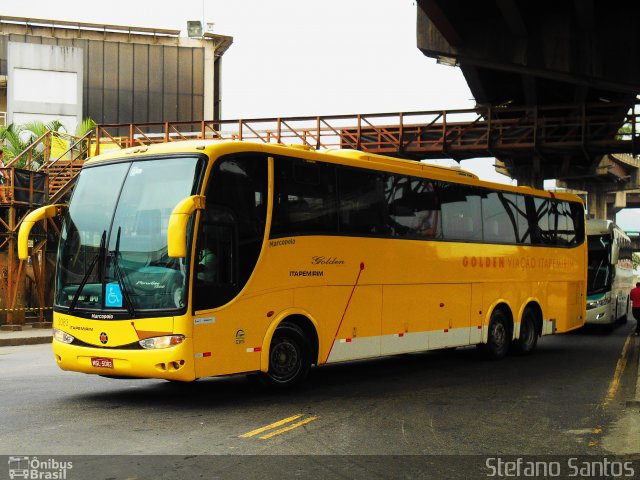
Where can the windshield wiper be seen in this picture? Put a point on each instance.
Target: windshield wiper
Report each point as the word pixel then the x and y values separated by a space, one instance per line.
pixel 92 265
pixel 120 277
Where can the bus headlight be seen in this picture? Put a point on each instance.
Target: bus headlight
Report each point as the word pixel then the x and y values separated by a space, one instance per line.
pixel 161 342
pixel 601 302
pixel 62 337
pixel 606 300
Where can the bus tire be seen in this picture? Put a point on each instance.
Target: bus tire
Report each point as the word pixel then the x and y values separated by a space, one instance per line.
pixel 289 357
pixel 528 338
pixel 498 337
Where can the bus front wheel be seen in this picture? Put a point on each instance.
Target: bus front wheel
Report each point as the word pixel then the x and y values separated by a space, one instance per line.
pixel 289 357
pixel 499 338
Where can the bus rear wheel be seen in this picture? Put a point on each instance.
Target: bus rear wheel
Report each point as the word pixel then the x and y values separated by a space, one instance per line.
pixel 499 338
pixel 289 357
pixel 528 339
pixel 625 313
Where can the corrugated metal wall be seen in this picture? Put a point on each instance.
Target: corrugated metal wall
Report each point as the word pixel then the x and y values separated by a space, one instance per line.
pixel 133 82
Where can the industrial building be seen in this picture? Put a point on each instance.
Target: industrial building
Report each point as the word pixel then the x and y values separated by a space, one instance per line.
pixel 51 69
pixel 69 71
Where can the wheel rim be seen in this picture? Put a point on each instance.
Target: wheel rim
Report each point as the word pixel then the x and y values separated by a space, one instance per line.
pixel 284 360
pixel 499 335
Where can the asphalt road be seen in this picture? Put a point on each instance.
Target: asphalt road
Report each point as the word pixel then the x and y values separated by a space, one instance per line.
pixel 559 401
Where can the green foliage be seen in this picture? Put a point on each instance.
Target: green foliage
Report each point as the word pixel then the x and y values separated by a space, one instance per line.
pixel 85 127
pixel 624 132
pixel 17 138
pixel 14 141
pixel 635 258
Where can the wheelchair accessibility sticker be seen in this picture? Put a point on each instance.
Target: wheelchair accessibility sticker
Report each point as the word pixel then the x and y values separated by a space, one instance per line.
pixel 114 295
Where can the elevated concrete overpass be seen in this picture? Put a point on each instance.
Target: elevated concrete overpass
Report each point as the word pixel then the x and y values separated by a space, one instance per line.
pixel 635 240
pixel 536 54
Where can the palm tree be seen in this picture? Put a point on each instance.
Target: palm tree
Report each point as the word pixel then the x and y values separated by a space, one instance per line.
pixel 84 127
pixel 17 138
pixel 12 138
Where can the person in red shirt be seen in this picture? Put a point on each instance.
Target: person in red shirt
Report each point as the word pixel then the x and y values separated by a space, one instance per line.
pixel 635 306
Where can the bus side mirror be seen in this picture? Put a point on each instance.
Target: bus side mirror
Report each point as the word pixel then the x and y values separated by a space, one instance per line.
pixel 29 221
pixel 177 229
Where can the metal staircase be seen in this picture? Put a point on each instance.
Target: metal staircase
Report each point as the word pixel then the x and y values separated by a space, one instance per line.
pixel 44 173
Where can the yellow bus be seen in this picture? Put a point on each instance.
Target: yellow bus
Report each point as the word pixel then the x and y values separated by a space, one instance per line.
pixel 196 259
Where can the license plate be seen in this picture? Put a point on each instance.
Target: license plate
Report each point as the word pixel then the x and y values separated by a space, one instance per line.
pixel 102 362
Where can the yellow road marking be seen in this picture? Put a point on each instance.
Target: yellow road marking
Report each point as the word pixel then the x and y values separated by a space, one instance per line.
pixel 615 382
pixel 269 427
pixel 290 427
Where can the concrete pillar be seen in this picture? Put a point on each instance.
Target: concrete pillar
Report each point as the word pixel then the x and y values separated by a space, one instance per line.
pixel 597 204
pixel 530 182
pixel 619 203
pixel 530 175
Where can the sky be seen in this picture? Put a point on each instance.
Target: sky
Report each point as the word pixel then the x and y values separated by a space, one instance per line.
pixel 302 58
pixel 291 57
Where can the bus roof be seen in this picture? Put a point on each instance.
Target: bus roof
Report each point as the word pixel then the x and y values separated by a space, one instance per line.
pixel 597 226
pixel 353 158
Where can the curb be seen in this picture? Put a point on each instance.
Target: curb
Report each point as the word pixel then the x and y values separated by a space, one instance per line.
pixel 635 402
pixel 17 341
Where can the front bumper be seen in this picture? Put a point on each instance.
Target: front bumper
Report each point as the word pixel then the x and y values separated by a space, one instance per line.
pixel 600 315
pixel 174 363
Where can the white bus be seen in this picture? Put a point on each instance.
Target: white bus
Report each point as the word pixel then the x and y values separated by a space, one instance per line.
pixel 610 276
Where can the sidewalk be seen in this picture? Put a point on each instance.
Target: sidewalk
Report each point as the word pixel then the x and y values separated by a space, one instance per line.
pixel 27 336
pixel 635 401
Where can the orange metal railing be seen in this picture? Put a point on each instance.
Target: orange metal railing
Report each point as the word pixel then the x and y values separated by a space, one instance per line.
pixel 466 133
pixel 58 155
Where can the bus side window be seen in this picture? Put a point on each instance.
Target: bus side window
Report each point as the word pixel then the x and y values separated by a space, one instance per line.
pixel 413 207
pixel 362 202
pixel 522 220
pixel 534 221
pixel 461 212
pixel 577 227
pixel 545 233
pixel 304 198
pixel 500 222
pixel 566 229
pixel 427 205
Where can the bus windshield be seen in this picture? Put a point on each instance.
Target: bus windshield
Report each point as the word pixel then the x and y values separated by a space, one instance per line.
pixel 113 244
pixel 600 271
